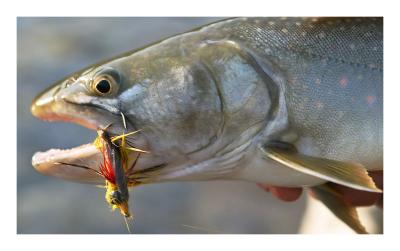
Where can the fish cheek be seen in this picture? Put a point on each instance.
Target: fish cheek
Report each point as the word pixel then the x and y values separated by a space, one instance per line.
pixel 181 110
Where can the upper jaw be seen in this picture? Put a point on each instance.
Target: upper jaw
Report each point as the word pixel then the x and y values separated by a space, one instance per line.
pixel 58 104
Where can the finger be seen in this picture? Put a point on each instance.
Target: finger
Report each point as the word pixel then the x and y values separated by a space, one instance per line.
pixel 378 178
pixel 379 203
pixel 286 193
pixel 362 198
pixel 356 197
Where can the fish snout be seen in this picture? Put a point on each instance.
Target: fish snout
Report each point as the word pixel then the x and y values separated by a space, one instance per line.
pixel 42 105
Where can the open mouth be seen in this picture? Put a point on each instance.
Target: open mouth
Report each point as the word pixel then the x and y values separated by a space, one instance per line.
pixel 82 163
pixel 54 162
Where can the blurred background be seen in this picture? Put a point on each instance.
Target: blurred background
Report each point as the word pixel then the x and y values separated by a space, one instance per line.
pixel 49 49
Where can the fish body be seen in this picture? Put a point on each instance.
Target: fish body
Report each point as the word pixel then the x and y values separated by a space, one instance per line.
pixel 208 101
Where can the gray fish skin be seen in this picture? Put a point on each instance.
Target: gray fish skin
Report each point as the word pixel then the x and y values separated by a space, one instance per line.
pixel 207 99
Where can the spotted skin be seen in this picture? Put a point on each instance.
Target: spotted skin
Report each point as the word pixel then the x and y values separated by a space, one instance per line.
pixel 332 70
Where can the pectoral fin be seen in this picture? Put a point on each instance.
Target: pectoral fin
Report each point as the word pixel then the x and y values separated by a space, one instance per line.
pixel 349 174
pixel 339 207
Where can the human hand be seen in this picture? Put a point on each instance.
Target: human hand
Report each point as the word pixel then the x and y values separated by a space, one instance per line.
pixel 352 196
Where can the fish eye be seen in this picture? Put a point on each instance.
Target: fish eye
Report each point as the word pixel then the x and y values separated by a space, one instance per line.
pixel 103 86
pixel 105 81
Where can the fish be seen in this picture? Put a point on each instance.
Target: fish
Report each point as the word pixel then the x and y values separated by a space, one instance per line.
pixel 293 102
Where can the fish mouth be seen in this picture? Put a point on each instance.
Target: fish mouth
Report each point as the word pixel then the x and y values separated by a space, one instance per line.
pixel 53 162
pixel 66 163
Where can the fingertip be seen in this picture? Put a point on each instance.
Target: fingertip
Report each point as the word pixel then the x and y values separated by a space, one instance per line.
pixel 356 197
pixel 286 193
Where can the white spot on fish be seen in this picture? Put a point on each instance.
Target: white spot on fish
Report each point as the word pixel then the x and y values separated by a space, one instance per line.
pixel 298 23
pixel 284 30
pixel 352 46
pixel 319 105
pixel 322 35
pixel 271 23
pixel 314 19
pixel 318 81
pixel 259 30
pixel 304 33
pixel 283 18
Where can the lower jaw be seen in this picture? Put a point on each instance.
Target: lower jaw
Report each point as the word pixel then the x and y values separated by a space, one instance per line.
pixel 50 163
pixel 68 164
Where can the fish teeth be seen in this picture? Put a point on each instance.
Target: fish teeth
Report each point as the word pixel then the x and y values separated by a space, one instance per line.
pixel 59 154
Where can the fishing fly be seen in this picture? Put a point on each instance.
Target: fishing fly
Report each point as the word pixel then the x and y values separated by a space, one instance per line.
pixel 115 170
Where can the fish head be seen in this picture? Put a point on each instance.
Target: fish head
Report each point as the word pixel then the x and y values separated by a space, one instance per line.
pixel 189 103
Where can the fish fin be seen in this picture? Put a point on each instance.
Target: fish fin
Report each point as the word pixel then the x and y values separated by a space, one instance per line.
pixel 348 174
pixel 334 201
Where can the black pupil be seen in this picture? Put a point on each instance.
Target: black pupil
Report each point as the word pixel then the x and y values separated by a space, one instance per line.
pixel 103 86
